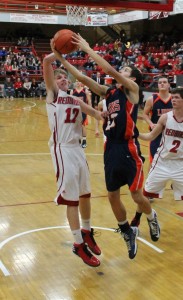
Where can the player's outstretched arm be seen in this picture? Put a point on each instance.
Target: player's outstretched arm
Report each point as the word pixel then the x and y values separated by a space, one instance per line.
pixel 156 130
pixel 92 84
pixel 107 68
pixel 48 73
pixel 89 110
pixel 146 112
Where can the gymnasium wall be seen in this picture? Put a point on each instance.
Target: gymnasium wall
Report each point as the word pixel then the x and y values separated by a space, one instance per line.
pixel 93 34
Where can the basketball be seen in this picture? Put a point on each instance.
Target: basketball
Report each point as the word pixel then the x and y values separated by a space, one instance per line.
pixel 63 41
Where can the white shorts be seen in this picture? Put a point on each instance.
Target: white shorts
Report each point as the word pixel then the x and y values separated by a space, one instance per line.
pixel 163 170
pixel 72 173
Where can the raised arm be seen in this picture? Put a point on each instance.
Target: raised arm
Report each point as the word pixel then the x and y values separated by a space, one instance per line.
pixel 92 84
pixel 48 73
pixel 156 130
pixel 107 68
pixel 146 112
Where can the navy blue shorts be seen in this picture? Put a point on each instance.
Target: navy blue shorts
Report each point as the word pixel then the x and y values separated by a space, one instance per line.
pixel 123 165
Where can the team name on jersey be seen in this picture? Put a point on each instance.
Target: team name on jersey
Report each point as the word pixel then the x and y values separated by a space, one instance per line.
pixel 175 133
pixel 114 106
pixel 161 111
pixel 67 100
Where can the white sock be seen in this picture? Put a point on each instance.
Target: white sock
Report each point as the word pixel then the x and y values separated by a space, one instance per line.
pixel 151 215
pixel 86 224
pixel 77 236
pixel 122 223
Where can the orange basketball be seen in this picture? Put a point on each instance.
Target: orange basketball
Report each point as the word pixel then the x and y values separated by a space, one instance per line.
pixel 63 41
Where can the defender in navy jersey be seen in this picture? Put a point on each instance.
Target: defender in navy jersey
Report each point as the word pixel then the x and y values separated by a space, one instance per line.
pixel 122 160
pixel 156 105
pixel 83 94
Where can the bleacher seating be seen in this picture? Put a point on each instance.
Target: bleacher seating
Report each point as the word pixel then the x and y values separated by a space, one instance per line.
pixel 41 48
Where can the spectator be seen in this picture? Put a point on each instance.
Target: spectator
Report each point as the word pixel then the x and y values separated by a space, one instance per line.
pixel 26 88
pixel 19 42
pixel 16 50
pixel 34 88
pixel 9 89
pixel 18 86
pixel 3 54
pixel 31 65
pixel 23 70
pixel 42 89
pixel 8 68
pixel 96 47
pixel 179 52
pixel 15 68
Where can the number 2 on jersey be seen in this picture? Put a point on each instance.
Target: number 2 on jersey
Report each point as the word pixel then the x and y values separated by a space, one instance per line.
pixel 177 144
pixel 71 115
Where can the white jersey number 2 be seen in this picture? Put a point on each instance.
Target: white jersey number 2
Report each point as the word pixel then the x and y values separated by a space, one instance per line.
pixel 176 144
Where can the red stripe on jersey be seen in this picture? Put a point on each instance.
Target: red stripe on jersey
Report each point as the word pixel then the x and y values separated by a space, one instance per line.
pixel 56 157
pixel 139 177
pixel 129 122
pixel 56 128
pixel 62 168
pixel 156 99
pixel 150 156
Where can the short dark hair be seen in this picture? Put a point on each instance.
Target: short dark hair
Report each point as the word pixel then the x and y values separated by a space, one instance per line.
pixel 136 73
pixel 163 76
pixel 178 91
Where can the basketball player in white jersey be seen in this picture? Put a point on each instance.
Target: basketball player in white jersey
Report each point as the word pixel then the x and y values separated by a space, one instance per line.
pixel 168 161
pixel 71 168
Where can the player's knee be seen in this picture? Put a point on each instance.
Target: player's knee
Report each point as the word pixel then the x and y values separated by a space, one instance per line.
pixel 137 196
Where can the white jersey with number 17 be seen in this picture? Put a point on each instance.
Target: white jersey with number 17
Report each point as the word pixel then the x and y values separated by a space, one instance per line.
pixel 67 119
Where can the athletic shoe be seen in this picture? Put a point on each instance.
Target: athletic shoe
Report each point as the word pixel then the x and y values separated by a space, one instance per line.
pixel 84 144
pixel 154 228
pixel 130 238
pixel 82 251
pixel 89 240
pixel 135 222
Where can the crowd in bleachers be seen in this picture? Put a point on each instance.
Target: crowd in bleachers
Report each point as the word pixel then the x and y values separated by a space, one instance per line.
pixel 151 58
pixel 21 67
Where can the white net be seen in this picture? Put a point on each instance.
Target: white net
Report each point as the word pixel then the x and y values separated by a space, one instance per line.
pixel 76 15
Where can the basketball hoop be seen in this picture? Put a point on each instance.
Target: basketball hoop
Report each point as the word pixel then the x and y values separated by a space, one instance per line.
pixel 76 15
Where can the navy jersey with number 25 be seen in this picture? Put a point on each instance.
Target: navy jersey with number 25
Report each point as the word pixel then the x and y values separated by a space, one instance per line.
pixel 122 158
pixel 122 117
